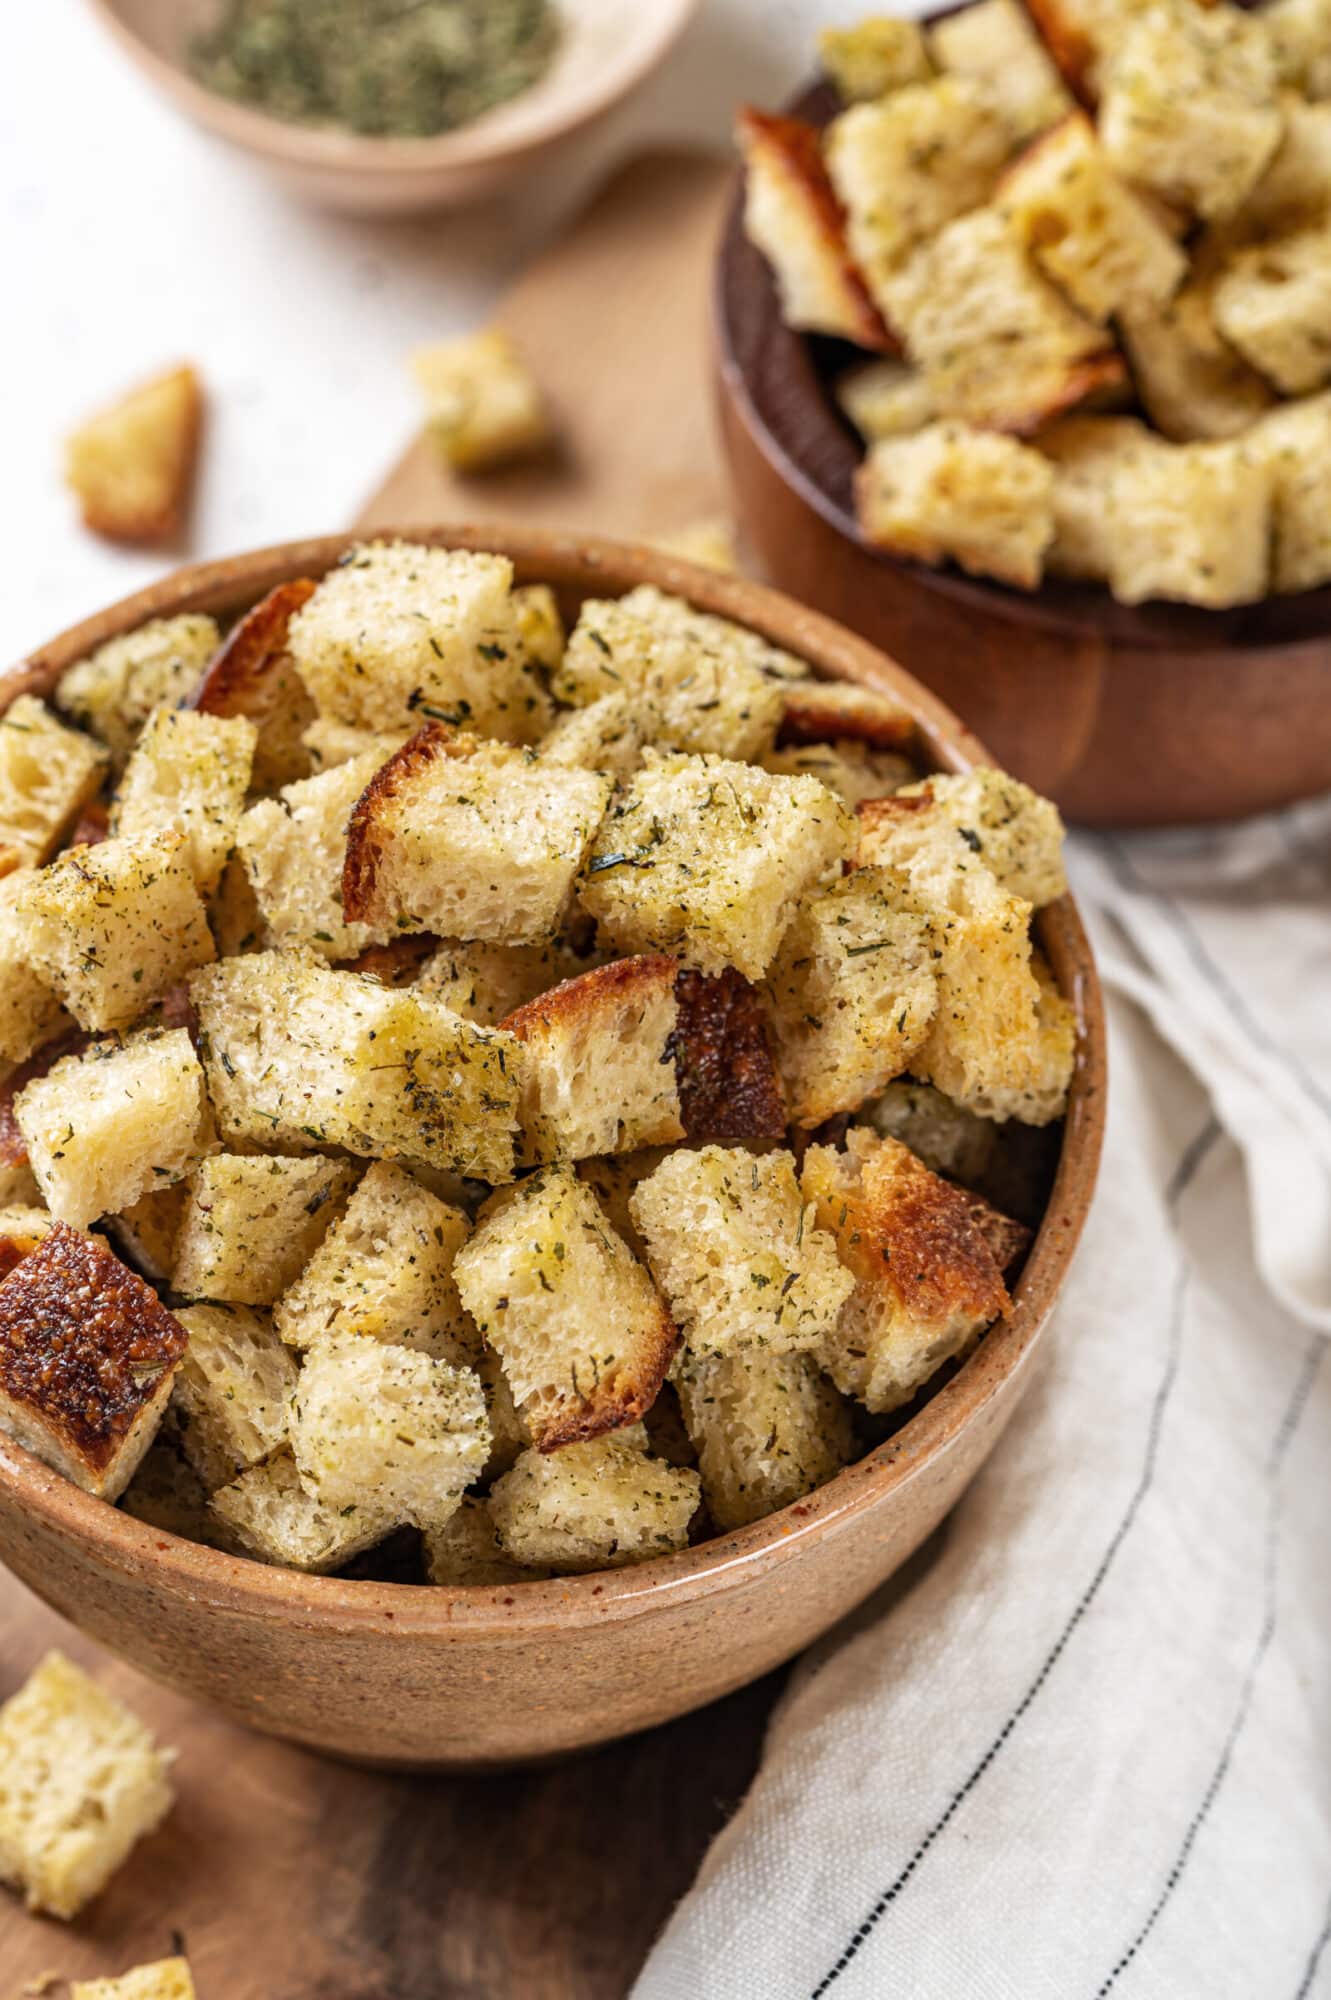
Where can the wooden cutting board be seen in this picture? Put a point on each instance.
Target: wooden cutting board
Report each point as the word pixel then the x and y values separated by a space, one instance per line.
pixel 289 1878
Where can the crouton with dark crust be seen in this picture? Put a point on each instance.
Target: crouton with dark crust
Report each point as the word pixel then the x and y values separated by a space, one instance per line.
pixel 252 674
pixel 833 711
pixel 729 1089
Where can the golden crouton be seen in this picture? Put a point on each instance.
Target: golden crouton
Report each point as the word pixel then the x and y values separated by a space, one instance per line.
pixel 165 1979
pixel 81 1782
pixel 144 1234
pixel 1295 440
pixel 1273 303
pixel 252 1222
pixel 593 1506
pixel 1194 524
pixel 729 1086
pixel 484 982
pixel 251 674
pixel 275 1520
pixel 885 399
pixel 708 858
pixel 1040 1096
pixel 232 1392
pixel 876 55
pixel 189 772
pixel 1296 187
pixel 1300 32
pixel 87 1358
pixel 984 501
pixel 818 711
pixel 1088 454
pixel 608 735
pixel 993 42
pixel 47 775
pixel 332 743
pixel 1193 384
pixel 954 1142
pixel 294 850
pixel 540 625
pixel 849 769
pixel 30 1012
pixel 116 689
pixel 131 466
pixel 483 404
pixel 793 215
pixel 926 1285
pixel 768 1428
pixel 1017 834
pixel 467 1550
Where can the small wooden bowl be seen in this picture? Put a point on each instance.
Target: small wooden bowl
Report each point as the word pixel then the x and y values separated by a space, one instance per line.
pixel 451 1678
pixel 607 50
pixel 1127 715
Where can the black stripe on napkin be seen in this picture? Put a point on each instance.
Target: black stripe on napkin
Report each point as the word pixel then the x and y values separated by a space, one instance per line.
pixel 1315 1956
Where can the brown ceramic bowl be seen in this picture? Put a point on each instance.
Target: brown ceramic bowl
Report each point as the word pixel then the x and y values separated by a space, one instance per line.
pixel 419 1676
pixel 1127 715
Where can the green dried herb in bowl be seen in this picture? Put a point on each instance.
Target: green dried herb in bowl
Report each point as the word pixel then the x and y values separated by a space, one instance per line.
pixel 394 69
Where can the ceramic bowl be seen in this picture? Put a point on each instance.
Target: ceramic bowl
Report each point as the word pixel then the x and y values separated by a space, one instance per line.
pixel 1127 715
pixel 436 1677
pixel 608 48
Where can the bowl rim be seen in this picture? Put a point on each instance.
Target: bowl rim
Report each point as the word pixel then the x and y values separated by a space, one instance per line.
pixel 458 1613
pixel 329 149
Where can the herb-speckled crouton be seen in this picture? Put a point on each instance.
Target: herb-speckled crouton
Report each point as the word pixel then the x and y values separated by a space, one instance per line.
pixel 466 1550
pixel 1088 455
pixel 1017 834
pixel 1193 384
pixel 232 1392
pixel 737 1253
pixel 729 1086
pixel 1041 1094
pixel 708 858
pixel 48 773
pixel 269 1512
pixel 583 1336
pixel 768 1428
pixel 294 848
pixel 30 1012
pixel 190 773
pixel 540 625
pixel 849 769
pixel 950 491
pixel 1300 32
pixel 1295 441
pixel 993 42
pixel 1193 524
pixel 251 675
pixel 483 404
pixel 252 1222
pixel 593 1506
pixel 876 55
pixel 116 689
pixel 607 735
pixel 165 1979
pixel 1296 187
pixel 886 399
pixel 484 982
pixel 954 1142
pixel 332 743
pixel 1273 303
pixel 145 1233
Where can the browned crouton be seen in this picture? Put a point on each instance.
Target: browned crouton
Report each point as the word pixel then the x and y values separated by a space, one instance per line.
pixel 132 465
pixel 829 711
pixel 729 1088
pixel 252 674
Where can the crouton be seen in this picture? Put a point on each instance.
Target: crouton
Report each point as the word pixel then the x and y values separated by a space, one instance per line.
pixel 908 164
pixel 332 743
pixel 484 982
pixel 30 1013
pixel 994 44
pixel 466 1550
pixel 131 467
pixel 734 1248
pixel 22 1227
pixel 879 54
pixel 166 1979
pixel 294 849
pixel 540 625
pixel 372 1420
pixel 1300 32
pixel 87 1358
pixel 469 839
pixel 584 1339
pixel 251 674
pixel 793 215
pixel 614 1180
pixel 1193 524
pixel 398 634
pixel 47 775
pixel 1193 384
pixel 768 1428
pixel 885 399
pixel 1017 834
pixel 853 993
pixel 597 1505
pixel 598 1075
pixel 189 772
pixel 483 404
pixel 145 1233
pixel 1042 1095
pixel 400 962
pixel 951 1141
pixel 234 916
pixel 510 1433
pixel 106 1126
pixel 1008 1239
pixel 275 1520
pixel 729 1086
pixel 81 1782
pixel 1189 105
pixel 232 1392
pixel 1273 303
pixel 166 1493
pixel 115 690
pixel 1295 441
pixel 708 858
pixel 1296 187
pixel 18 1187
pixel 1088 454
pixel 384 1271
pixel 252 1222
pixel 999 345
pixel 297 1055
pixel 1085 227
pixel 111 928
pixel 984 501
pixel 849 769
pixel 710 542
pixel 925 1284
pixel 817 711
pixel 699 682
pixel 607 735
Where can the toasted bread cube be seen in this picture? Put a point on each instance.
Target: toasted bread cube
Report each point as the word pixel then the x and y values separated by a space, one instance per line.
pixel 384 1271
pixel 294 848
pixel 729 1086
pixel 908 164
pixel 733 1246
pixel 1088 455
pixel 540 625
pixel 189 772
pixel 886 399
pixel 469 839
pixel 108 1125
pixel 597 1505
pixel 484 982
pixel 30 1012
pixel 375 1421
pixel 1295 441
pixel 999 345
pixel 1189 106
pixel 584 1338
pixel 709 541
pixel 836 711
pixel 708 858
pixel 1085 227
pixel 1193 384
pixel 466 1550
pixel 926 1285
pixel 251 674
pixel 22 1227
pixel 607 735
pixel 145 1233
pixel 400 633
pixel 47 775
pixel 332 743
pixel 1017 834
pixel 115 690
pixel 88 1355
pixel 768 1428
pixel 879 54
pixel 112 928
pixel 131 466
pixel 297 1055
pixel 793 215
pixel 81 1781
pixel 1296 187
pixel 232 1393
pixel 1194 524
pixel 598 1077
pixel 483 404
pixel 252 1222
pixel 950 491
pixel 234 916
pixel 1273 303
pixel 954 1142
pixel 1042 1096
pixel 853 994
pixel 849 769
pixel 166 1979
pixel 1300 32
pixel 993 42
pixel 269 1512
pixel 699 682
pixel 614 1180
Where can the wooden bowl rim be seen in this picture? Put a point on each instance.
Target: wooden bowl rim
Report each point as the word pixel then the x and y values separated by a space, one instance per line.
pixel 453 1614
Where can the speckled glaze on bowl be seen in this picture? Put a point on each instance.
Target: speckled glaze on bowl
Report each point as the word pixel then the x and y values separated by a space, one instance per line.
pixel 473 1677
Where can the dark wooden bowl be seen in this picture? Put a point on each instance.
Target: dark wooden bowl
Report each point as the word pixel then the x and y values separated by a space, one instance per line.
pixel 1127 715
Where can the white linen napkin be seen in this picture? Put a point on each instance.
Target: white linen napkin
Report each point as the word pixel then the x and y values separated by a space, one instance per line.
pixel 1082 1746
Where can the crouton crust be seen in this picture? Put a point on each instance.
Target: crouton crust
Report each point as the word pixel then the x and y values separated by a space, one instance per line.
pixel 825 711
pixel 729 1088
pixel 567 1001
pixel 235 677
pixel 1073 50
pixel 1007 1238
